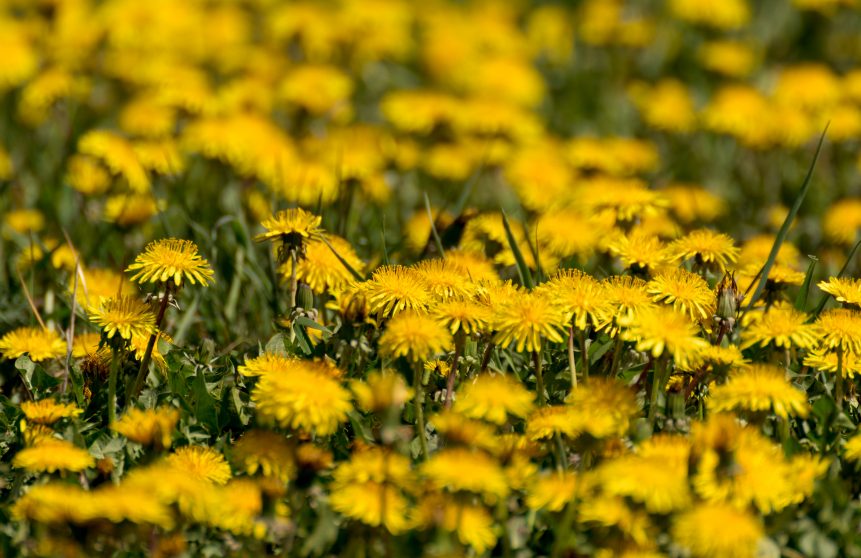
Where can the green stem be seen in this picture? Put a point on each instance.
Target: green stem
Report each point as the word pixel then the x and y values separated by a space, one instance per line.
pixel 143 371
pixel 539 376
pixel 571 362
pixel 420 411
pixel 452 374
pixel 112 386
pixel 838 383
pixel 657 387
pixel 294 283
pixel 584 354
pixel 617 353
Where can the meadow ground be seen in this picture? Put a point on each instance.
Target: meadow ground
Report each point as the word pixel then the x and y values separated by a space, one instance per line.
pixel 450 278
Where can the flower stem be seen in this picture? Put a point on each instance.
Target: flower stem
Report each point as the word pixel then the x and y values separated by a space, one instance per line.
pixel 452 374
pixel 584 354
pixel 294 283
pixel 112 386
pixel 617 353
pixel 488 352
pixel 657 384
pixel 420 411
pixel 571 362
pixel 144 368
pixel 838 382
pixel 539 376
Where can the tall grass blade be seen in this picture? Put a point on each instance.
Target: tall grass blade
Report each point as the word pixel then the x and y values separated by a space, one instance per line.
pixel 437 240
pixel 801 298
pixel 784 229
pixel 358 276
pixel 522 268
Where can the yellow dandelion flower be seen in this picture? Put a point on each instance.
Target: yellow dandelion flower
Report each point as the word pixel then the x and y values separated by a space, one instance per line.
pixel 35 433
pixel 525 318
pixel 127 210
pixel 705 247
pixel 826 361
pixel 149 427
pixel 393 289
pixel 266 452
pixel 552 491
pixel 94 284
pixel 139 344
pixel 845 290
pixel 583 298
pixel 170 258
pixel 321 269
pixel 690 203
pixel 48 411
pixel 727 15
pixel 53 455
pixel 291 226
pixel 781 325
pixel 459 430
pixel 852 449
pixel 381 391
pixel 687 292
pixel 717 356
pixel 126 315
pixel 415 336
pixel 40 344
pixel 25 221
pixel 307 398
pixel 718 531
pixel 728 57
pixel 626 298
pixel 468 316
pixel 660 328
pixel 118 155
pixel 267 363
pixel 493 398
pixel 444 280
pixel 473 265
pixel 759 388
pixel 839 328
pixel 602 408
pixel 666 105
pixel 638 250
pixel 473 523
pixel 462 469
pixel 86 175
pixel 568 233
pixel 316 88
pixel 615 512
pixel 201 462
pixel 372 503
pixel 842 221
pixel 369 488
pixel 656 475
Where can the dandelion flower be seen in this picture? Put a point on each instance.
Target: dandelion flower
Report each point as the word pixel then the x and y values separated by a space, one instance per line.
pixel 847 291
pixel 602 408
pixel 656 475
pixel 126 315
pixel 472 523
pixel 444 280
pixel 582 297
pixel 266 452
pixel 759 388
pixel 48 411
pixel 462 469
pixel 825 360
pixel 39 343
pixel 94 284
pixel 781 325
pixel 393 289
pixel 852 450
pixel 661 328
pixel 267 363
pixel 380 392
pixel 171 258
pixel 639 249
pixel 718 531
pixel 493 398
pixel 307 398
pixel 686 292
pixel 292 226
pixel 53 455
pixel 321 269
pixel 839 328
pixel 467 316
pixel 715 250
pixel 415 336
pixel 149 427
pixel 626 297
pixel 202 463
pixel 525 318
pixel 552 491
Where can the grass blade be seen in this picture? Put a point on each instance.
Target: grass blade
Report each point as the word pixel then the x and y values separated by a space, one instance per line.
pixel 826 296
pixel 437 240
pixel 358 276
pixel 784 229
pixel 801 298
pixel 522 268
